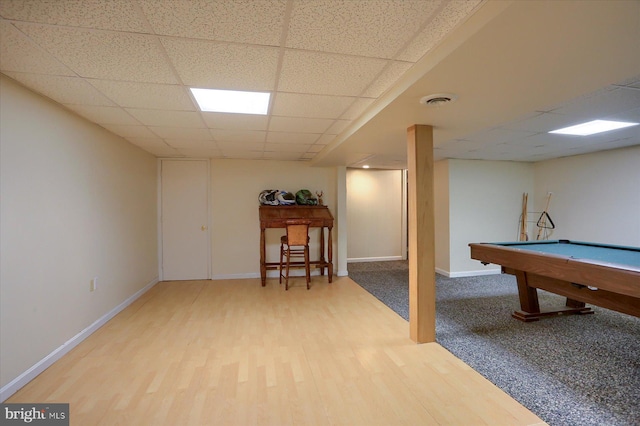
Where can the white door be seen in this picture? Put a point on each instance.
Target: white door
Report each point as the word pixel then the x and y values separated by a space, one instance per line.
pixel 184 219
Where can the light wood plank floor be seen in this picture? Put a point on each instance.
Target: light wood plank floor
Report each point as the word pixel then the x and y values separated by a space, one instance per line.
pixel 233 353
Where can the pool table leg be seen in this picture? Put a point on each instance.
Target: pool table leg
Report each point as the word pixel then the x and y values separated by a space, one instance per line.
pixel 528 295
pixel 529 306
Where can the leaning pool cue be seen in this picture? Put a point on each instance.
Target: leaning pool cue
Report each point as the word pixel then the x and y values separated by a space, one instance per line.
pixel 523 224
pixel 542 223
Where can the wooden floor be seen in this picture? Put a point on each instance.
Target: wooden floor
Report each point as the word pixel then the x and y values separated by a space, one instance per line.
pixel 233 353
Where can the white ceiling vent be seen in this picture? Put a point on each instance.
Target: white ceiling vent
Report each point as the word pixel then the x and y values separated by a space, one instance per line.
pixel 438 99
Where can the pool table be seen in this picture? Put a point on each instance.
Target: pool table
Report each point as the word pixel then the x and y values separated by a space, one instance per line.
pixel 598 274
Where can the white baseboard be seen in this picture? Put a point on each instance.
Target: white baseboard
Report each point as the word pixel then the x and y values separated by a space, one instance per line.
pixel 24 378
pixel 468 273
pixel 373 259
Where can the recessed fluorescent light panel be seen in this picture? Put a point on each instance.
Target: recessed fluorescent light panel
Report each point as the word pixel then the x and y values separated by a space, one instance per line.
pixel 593 127
pixel 232 101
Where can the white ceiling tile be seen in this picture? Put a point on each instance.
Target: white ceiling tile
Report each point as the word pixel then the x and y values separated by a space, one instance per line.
pixel 155 140
pixel 119 15
pixel 335 51
pixel 499 135
pixel 283 156
pixel 601 104
pixel 18 53
pixel 631 82
pixel 318 106
pixel 216 120
pixel 63 89
pixel 541 122
pixel 292 137
pixel 191 144
pixel 365 28
pixel 215 65
pixel 181 133
pixel 104 54
pixel 327 74
pixel 620 143
pixel 453 13
pixel 145 95
pixel 104 114
pixel 631 115
pixel 238 135
pixel 127 131
pixel 242 154
pixel 165 152
pixel 389 76
pixel 459 145
pixel 315 148
pixel 202 152
pixel 301 125
pixel 241 21
pixel 237 146
pixel 155 146
pixel 155 117
pixel 286 147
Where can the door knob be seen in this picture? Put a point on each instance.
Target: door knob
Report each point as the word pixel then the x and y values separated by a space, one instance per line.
pixel 203 227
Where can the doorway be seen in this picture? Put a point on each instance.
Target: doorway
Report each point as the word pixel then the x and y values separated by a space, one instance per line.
pixel 184 220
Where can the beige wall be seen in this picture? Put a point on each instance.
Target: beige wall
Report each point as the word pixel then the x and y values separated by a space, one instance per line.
pixel 374 215
pixel 234 222
pixel 485 202
pixel 77 202
pixel 595 197
pixel 441 215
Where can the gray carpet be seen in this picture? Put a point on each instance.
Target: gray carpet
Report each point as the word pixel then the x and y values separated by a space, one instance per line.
pixel 570 370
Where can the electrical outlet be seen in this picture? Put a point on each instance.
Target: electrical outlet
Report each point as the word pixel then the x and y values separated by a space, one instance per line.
pixel 94 284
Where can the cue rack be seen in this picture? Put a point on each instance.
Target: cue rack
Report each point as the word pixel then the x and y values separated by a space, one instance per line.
pixel 544 223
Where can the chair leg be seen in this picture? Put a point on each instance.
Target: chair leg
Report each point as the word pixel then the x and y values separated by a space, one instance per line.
pixel 280 271
pixel 286 285
pixel 306 263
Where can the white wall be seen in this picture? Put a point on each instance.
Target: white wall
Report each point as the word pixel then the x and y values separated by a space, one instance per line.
pixel 441 216
pixel 235 225
pixel 595 197
pixel 485 205
pixel 77 202
pixel 374 215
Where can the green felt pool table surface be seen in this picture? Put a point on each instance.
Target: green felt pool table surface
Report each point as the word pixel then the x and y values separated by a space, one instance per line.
pixel 623 255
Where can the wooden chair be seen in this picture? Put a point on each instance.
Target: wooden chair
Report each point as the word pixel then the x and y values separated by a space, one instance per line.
pixel 295 245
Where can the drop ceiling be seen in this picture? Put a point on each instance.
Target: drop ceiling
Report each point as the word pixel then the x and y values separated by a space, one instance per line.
pixel 346 76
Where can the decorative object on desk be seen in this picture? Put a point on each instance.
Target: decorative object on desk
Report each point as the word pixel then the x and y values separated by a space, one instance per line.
pixel 286 198
pixel 304 197
pixel 269 197
pixel 320 194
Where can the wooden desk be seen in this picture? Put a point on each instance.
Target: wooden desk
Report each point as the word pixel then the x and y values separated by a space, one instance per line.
pixel 275 217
